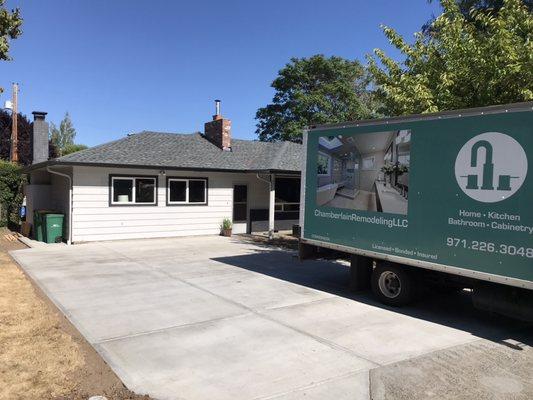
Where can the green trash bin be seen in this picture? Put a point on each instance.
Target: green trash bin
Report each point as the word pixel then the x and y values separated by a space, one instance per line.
pixel 38 224
pixel 53 227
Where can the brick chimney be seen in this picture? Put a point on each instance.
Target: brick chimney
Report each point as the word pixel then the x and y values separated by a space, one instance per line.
pixel 218 131
pixel 39 138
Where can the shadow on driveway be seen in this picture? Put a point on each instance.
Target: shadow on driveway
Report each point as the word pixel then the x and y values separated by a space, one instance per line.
pixel 454 310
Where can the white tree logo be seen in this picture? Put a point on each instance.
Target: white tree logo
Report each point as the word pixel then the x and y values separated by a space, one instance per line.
pixel 491 167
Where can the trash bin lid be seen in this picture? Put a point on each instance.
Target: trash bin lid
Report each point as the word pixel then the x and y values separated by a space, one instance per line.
pixel 54 215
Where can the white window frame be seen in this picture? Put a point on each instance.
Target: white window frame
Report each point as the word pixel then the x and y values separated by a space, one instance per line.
pixel 328 156
pixel 186 202
pixel 133 201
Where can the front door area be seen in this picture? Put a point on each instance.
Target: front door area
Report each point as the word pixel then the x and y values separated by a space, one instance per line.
pixel 240 208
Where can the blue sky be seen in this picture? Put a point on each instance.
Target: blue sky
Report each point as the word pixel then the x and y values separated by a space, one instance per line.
pixel 124 66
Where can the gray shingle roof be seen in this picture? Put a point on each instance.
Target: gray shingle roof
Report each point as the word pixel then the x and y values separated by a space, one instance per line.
pixel 190 151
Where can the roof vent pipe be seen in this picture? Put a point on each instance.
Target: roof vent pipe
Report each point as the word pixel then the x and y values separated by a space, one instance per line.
pixel 217 107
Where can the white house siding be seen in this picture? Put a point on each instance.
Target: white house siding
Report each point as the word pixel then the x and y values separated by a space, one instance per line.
pixel 93 218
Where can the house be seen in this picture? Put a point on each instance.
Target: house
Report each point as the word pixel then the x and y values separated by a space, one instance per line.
pixel 153 184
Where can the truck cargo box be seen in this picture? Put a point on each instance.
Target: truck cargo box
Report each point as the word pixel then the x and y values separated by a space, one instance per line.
pixel 449 191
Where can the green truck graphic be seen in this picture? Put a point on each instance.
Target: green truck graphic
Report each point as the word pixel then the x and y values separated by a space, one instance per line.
pixel 447 192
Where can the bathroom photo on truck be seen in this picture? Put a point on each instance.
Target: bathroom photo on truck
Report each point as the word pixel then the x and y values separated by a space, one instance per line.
pixel 368 172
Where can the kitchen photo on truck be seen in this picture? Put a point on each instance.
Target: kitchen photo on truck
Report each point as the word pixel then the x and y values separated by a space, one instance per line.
pixel 367 172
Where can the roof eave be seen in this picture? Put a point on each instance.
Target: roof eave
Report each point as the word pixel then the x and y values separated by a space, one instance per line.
pixel 40 165
pixel 160 167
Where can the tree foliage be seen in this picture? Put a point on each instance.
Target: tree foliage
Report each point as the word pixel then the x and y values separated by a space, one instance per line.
pixel 468 6
pixel 24 137
pixel 72 148
pixel 491 6
pixel 459 65
pixel 314 90
pixel 63 137
pixel 10 28
pixel 11 182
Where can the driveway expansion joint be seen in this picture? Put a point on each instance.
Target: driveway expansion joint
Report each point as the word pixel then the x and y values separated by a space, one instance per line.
pixel 254 311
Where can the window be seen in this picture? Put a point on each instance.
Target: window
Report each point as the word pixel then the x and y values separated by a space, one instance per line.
pixel 323 164
pixel 122 190
pixel 388 154
pixel 145 190
pixel 177 191
pixel 287 194
pixel 368 163
pixel 404 159
pixel 139 190
pixel 186 191
pixel 196 191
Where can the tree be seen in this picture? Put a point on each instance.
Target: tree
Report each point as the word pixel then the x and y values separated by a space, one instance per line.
pixel 72 148
pixel 24 129
pixel 11 182
pixel 64 136
pixel 10 23
pixel 467 6
pixel 314 90
pixel 459 65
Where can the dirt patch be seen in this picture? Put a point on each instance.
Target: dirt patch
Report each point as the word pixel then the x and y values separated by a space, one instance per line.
pixel 42 355
pixel 481 370
pixel 280 240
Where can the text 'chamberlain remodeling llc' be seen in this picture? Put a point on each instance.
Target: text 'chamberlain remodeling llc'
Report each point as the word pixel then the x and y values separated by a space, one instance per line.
pixel 378 220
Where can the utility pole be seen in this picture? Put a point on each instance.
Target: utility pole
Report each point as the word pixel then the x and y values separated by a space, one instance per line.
pixel 14 117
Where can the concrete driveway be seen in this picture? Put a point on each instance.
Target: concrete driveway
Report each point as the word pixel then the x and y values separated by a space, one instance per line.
pixel 220 318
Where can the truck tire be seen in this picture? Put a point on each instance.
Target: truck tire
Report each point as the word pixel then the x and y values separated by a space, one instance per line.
pixel 392 284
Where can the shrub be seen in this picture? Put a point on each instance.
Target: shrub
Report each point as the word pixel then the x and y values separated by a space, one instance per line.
pixel 11 182
pixel 226 224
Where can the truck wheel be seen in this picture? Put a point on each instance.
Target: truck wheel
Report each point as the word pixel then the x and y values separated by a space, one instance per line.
pixel 392 284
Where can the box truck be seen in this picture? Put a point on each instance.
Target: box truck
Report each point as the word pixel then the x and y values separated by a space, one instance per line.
pixel 443 198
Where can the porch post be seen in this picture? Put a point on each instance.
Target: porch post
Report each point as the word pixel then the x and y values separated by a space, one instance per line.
pixel 271 206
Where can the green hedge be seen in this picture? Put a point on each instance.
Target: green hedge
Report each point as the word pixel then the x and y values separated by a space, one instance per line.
pixel 11 183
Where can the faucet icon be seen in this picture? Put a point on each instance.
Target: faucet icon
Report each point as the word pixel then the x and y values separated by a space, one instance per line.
pixel 488 167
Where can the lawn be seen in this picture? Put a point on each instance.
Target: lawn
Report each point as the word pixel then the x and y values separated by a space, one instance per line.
pixel 42 356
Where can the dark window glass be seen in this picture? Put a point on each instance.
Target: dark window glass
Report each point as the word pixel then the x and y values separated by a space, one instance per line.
pixel 288 190
pixel 122 190
pixel 177 190
pixel 240 193
pixel 196 191
pixel 291 207
pixel 145 190
pixel 239 212
pixel 240 198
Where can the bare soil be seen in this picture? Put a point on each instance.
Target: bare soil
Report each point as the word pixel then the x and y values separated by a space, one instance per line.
pixel 42 355
pixel 280 240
